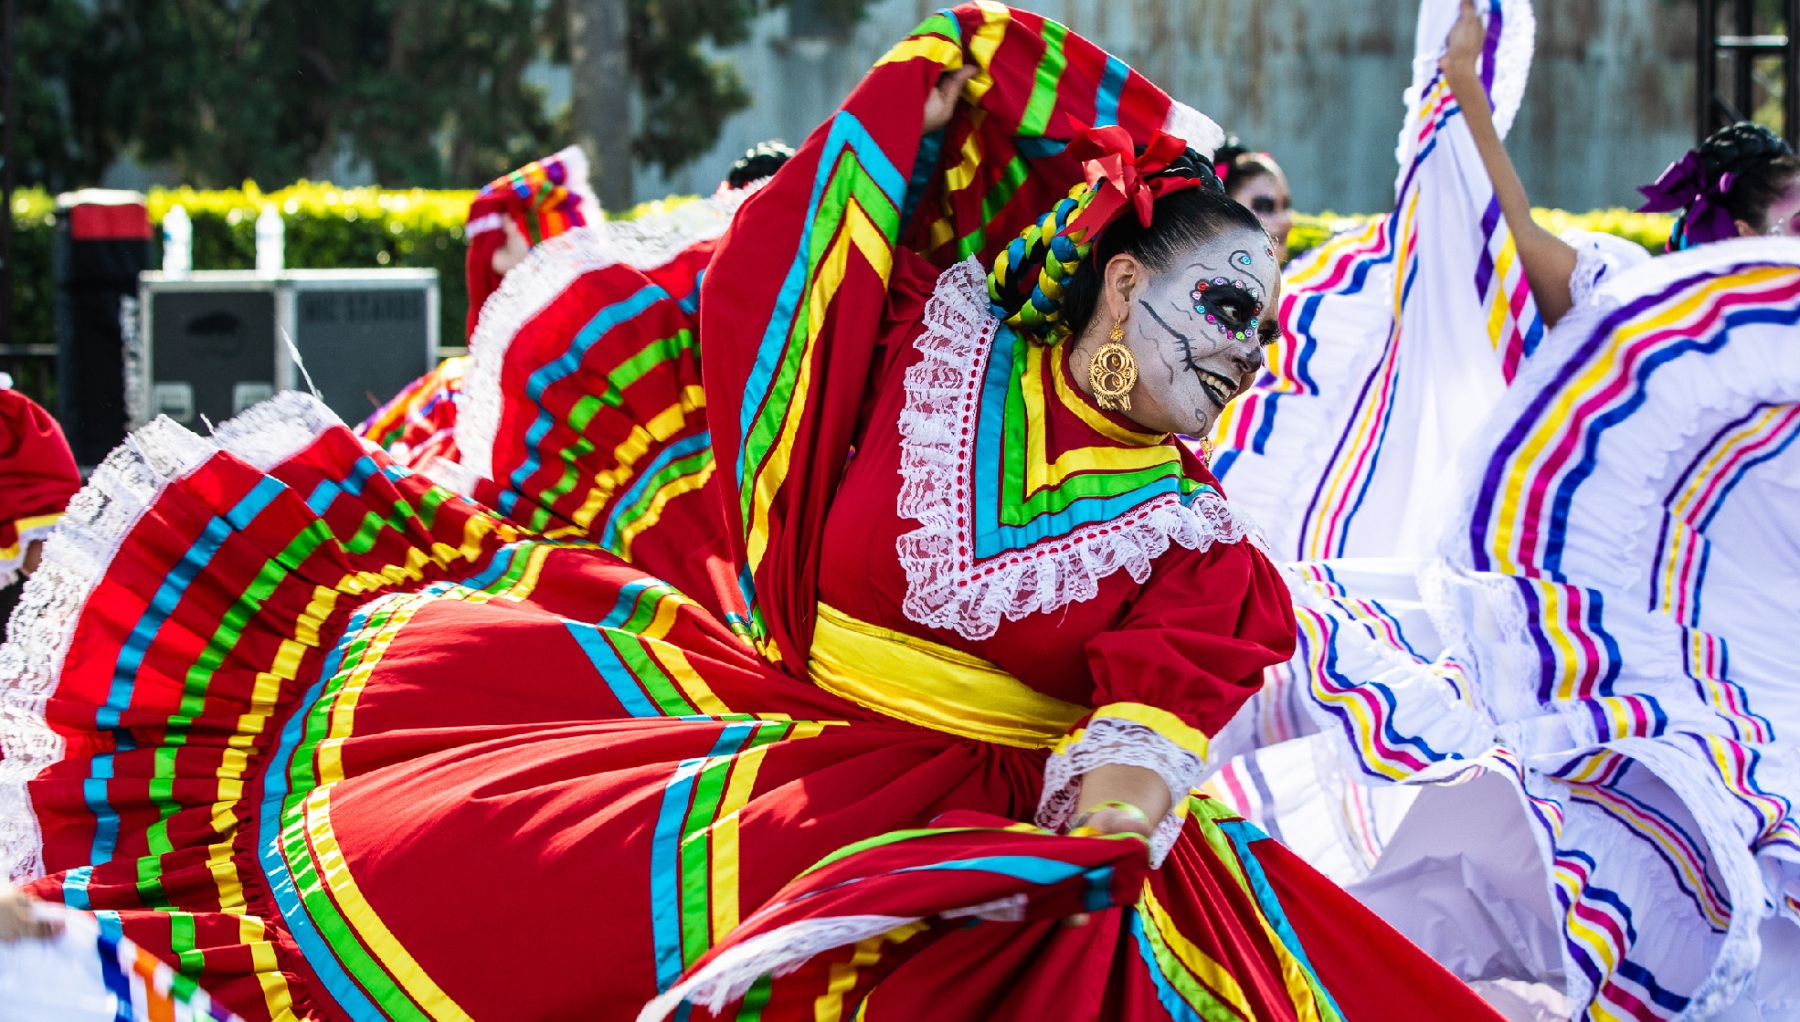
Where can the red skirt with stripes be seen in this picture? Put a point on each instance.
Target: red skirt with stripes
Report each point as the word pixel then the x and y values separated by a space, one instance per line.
pixel 335 743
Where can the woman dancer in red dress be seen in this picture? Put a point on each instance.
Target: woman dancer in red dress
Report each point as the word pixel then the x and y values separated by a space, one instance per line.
pixel 346 745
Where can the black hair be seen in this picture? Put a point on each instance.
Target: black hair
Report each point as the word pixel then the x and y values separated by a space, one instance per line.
pixel 762 160
pixel 1761 164
pixel 1180 221
pixel 1242 165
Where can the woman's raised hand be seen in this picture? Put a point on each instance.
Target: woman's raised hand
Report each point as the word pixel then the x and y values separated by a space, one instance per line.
pixel 1462 52
pixel 942 101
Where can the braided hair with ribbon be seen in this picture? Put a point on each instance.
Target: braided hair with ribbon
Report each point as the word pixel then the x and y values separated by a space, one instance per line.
pixel 1735 175
pixel 1046 283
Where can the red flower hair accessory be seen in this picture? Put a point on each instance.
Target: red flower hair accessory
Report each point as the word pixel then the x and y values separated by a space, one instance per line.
pixel 1123 177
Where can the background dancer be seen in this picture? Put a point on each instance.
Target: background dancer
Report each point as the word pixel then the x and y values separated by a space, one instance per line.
pixel 603 436
pixel 1593 656
pixel 1599 854
pixel 417 426
pixel 60 966
pixel 1256 181
pixel 1743 181
pixel 510 215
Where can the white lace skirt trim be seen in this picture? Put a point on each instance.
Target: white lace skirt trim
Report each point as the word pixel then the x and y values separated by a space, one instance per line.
pixel 659 234
pixel 1111 742
pixel 527 290
pixel 776 953
pixel 646 242
pixel 77 556
pixel 946 588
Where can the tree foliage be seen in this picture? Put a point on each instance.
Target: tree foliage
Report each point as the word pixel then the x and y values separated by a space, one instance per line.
pixel 686 95
pixel 428 93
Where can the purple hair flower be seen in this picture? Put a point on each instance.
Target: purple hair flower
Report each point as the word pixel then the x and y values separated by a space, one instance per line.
pixel 1698 192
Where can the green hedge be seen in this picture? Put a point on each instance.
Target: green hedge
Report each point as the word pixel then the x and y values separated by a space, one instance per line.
pixel 34 317
pixel 330 227
pixel 327 228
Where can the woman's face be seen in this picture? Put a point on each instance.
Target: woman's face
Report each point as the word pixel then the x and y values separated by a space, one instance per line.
pixel 1267 196
pixel 1196 329
pixel 1783 216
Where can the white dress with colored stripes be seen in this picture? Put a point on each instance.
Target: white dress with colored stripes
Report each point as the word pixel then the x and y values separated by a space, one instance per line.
pixel 84 974
pixel 1397 338
pixel 1543 716
pixel 1590 684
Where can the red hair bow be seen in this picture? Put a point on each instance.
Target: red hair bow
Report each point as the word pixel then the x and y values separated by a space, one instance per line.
pixel 1124 178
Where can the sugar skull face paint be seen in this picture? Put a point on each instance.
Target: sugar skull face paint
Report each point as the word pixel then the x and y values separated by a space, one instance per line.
pixel 1231 305
pixel 1196 331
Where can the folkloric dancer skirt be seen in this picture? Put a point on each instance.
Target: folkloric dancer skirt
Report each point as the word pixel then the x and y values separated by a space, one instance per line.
pixel 333 742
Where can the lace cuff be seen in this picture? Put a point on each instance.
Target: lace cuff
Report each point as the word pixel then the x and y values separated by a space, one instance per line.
pixel 1599 258
pixel 1129 734
pixel 1591 268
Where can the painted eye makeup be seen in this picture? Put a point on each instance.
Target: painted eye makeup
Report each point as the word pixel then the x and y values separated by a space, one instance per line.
pixel 1229 305
pixel 1220 388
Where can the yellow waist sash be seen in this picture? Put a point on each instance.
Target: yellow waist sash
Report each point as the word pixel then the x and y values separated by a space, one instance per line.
pixel 933 686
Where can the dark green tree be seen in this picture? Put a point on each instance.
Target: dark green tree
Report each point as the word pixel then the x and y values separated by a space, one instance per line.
pixel 427 92
pixel 58 139
pixel 686 95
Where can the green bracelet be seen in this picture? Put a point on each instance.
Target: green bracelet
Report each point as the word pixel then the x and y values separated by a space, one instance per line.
pixel 1125 807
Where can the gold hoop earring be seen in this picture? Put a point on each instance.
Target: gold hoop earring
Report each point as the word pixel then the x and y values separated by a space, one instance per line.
pixel 1113 372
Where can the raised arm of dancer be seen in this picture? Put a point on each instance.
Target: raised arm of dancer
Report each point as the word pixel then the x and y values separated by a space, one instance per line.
pixel 1548 260
pixel 1105 787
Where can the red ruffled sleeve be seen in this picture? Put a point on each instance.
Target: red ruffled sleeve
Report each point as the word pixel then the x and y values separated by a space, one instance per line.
pixel 1189 651
pixel 1196 640
pixel 37 475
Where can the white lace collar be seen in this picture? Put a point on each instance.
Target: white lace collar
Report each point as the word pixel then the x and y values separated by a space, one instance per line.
pixel 948 586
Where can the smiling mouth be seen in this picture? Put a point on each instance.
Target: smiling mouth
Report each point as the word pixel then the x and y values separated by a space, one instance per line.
pixel 1218 387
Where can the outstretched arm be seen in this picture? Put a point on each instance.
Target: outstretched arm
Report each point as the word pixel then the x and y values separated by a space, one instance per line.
pixel 1548 260
pixel 16 919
